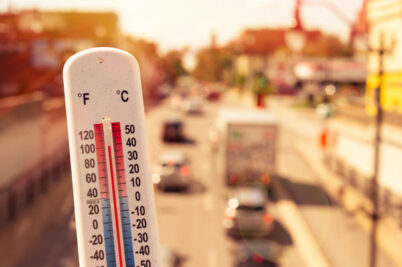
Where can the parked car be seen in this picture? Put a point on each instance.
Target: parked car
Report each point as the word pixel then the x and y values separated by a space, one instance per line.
pixel 172 131
pixel 173 170
pixel 257 253
pixel 246 214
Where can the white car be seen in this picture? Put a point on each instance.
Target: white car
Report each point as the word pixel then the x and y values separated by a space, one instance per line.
pixel 192 106
pixel 246 214
pixel 172 172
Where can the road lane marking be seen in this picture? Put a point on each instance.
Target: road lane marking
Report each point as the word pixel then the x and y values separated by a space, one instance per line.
pixel 208 202
pixel 212 257
pixel 298 229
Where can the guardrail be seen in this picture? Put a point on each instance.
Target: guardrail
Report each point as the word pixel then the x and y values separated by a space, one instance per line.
pixel 35 125
pixel 390 202
pixel 25 188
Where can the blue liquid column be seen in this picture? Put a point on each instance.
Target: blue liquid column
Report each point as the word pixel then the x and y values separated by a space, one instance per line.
pixel 108 233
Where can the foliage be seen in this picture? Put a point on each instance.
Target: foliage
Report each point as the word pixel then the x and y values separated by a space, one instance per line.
pixel 327 46
pixel 172 65
pixel 152 74
pixel 211 64
pixel 261 84
pixel 239 80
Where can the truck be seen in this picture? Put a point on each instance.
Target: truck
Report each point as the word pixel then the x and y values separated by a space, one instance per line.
pixel 246 144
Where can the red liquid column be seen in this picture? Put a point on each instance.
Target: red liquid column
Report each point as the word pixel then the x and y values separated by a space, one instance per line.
pixel 119 159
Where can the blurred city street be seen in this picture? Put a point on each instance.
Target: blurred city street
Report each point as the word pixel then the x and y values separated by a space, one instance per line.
pixel 190 222
pixel 273 132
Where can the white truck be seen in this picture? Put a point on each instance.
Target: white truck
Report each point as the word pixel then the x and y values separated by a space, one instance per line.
pixel 246 144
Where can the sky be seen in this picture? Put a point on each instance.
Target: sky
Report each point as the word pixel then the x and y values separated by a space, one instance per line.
pixel 175 24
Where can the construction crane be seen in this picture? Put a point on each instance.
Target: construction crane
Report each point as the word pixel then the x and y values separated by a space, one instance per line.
pixel 330 6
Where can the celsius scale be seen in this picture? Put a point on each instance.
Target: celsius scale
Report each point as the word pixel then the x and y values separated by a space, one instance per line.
pixel 113 194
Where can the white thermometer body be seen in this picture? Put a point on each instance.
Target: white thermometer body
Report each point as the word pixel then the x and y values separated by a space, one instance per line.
pixel 113 194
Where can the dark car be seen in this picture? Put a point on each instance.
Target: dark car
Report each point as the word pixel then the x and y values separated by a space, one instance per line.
pixel 213 96
pixel 173 131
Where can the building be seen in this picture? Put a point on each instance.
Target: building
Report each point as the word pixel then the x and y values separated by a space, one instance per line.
pixel 385 23
pixel 266 51
pixel 34 46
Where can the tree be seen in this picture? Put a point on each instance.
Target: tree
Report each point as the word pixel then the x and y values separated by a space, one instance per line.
pixel 211 64
pixel 172 65
pixel 152 73
pixel 327 46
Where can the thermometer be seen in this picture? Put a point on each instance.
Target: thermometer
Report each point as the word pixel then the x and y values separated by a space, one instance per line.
pixel 113 195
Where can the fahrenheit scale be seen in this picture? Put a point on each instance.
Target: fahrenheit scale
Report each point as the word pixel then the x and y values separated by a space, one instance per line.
pixel 113 195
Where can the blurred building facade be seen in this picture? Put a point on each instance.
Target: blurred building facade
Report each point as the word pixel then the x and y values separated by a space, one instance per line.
pixel 277 52
pixel 266 51
pixel 34 46
pixel 153 71
pixel 386 21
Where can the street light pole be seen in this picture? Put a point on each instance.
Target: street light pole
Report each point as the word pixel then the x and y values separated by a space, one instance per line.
pixel 381 52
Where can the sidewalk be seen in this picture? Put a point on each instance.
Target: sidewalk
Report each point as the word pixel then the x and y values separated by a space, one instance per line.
pixel 389 234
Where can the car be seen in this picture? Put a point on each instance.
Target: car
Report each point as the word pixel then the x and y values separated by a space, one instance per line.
pixel 175 102
pixel 257 253
pixel 173 171
pixel 246 214
pixel 213 96
pixel 192 106
pixel 172 131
